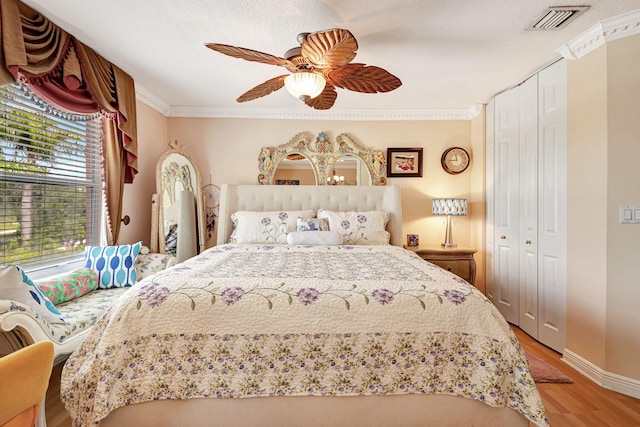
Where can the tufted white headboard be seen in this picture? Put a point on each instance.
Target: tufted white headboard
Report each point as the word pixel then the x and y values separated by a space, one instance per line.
pixel 297 197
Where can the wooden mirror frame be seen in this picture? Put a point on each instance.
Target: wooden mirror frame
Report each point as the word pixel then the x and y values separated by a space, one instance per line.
pixel 175 148
pixel 322 155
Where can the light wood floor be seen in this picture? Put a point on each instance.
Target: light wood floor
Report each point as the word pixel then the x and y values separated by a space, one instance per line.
pixel 581 404
pixel 57 415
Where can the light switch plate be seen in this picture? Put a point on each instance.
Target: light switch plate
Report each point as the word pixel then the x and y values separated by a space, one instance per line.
pixel 629 214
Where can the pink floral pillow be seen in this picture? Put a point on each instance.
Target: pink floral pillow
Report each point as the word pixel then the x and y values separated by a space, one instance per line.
pixel 70 286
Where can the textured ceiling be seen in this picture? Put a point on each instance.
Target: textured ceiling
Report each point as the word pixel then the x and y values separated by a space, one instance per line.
pixel 449 54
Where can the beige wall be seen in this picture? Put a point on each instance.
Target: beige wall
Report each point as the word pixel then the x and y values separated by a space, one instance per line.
pixel 152 141
pixel 477 201
pixel 603 174
pixel 586 206
pixel 227 152
pixel 623 183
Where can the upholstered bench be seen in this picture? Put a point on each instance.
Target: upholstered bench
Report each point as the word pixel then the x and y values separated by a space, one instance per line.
pixel 21 325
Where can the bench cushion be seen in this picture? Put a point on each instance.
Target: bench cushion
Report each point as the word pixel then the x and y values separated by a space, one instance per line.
pixel 79 314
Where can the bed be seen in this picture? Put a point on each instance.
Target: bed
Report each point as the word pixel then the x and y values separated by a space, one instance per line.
pixel 303 335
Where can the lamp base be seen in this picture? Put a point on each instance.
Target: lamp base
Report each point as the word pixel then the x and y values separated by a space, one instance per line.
pixel 448 237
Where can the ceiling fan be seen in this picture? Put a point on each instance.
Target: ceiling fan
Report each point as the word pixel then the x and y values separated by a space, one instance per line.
pixel 317 67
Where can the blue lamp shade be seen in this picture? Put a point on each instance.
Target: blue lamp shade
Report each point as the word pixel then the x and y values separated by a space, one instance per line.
pixel 455 207
pixel 449 207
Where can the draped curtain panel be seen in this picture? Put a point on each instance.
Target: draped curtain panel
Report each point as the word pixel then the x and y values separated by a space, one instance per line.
pixel 71 76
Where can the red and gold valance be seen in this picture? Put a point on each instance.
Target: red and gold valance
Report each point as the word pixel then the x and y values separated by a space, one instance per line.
pixel 72 76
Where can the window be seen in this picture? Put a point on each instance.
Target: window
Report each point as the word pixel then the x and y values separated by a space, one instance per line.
pixel 50 181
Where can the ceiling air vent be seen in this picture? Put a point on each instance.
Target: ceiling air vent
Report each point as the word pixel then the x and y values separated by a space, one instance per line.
pixel 557 17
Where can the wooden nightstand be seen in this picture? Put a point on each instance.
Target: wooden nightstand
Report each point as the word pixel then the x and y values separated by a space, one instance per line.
pixel 458 260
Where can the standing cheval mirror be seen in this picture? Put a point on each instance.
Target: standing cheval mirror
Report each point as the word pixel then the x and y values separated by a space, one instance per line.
pixel 181 226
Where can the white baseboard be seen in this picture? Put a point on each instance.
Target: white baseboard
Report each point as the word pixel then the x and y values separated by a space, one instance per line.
pixel 608 380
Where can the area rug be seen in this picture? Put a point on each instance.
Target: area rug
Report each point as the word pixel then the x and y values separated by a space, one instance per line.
pixel 542 372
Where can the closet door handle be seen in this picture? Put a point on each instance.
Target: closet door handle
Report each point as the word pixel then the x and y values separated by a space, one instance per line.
pixel 528 242
pixel 503 237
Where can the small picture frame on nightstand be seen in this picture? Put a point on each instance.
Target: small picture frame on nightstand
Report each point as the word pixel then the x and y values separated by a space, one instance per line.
pixel 413 240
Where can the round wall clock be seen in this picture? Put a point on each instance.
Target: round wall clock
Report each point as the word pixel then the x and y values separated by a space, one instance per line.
pixel 455 160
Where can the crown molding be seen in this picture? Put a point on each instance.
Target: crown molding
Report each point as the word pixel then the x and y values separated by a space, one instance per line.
pixel 606 31
pixel 153 102
pixel 353 115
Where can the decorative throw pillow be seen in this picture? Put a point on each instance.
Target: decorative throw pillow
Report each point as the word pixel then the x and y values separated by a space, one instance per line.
pixel 359 228
pixel 16 286
pixel 312 224
pixel 147 264
pixel 265 227
pixel 70 286
pixel 115 265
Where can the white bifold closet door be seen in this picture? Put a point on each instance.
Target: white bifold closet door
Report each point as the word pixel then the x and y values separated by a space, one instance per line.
pixel 526 199
pixel 528 207
pixel 507 196
pixel 552 206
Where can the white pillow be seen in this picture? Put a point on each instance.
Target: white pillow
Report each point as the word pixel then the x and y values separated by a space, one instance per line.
pixel 265 227
pixel 16 286
pixel 359 228
pixel 314 237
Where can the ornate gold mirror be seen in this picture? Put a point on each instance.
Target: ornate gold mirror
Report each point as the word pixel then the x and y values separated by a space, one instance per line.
pixel 181 226
pixel 294 169
pixel 349 170
pixel 321 162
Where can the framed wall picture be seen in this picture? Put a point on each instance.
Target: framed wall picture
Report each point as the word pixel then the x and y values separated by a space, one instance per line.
pixel 404 162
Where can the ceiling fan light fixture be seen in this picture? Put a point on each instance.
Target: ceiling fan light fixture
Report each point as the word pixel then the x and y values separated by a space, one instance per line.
pixel 305 85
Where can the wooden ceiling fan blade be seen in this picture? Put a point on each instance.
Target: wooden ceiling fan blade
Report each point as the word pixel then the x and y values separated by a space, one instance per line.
pixel 330 49
pixel 363 78
pixel 249 54
pixel 325 100
pixel 263 89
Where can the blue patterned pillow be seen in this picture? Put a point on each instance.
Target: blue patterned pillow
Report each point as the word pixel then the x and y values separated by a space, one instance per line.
pixel 312 224
pixel 16 286
pixel 115 265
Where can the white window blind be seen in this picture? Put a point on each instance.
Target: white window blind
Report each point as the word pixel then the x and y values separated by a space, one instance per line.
pixel 50 181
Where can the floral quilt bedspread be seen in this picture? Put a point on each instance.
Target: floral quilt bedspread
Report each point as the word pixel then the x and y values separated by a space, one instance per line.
pixel 246 321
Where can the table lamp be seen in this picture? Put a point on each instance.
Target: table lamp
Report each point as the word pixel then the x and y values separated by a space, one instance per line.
pixel 449 207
